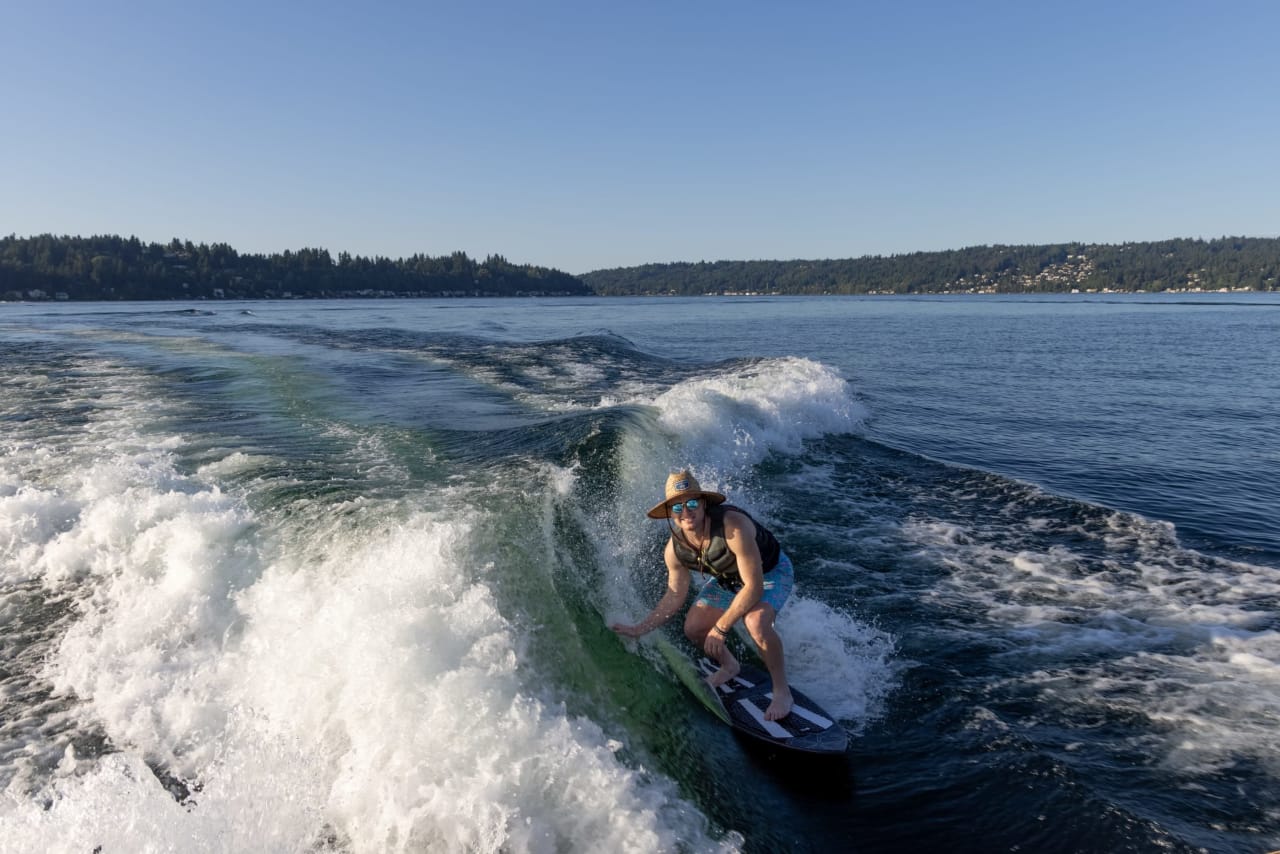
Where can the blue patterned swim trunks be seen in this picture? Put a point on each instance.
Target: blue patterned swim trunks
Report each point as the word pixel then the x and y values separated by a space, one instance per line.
pixel 777 587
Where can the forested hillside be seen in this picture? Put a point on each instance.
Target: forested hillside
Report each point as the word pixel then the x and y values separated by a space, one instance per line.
pixel 118 268
pixel 1229 262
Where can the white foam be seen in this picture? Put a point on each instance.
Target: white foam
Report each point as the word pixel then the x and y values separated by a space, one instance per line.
pixel 848 667
pixel 1181 638
pixel 234 464
pixel 342 676
pixel 732 420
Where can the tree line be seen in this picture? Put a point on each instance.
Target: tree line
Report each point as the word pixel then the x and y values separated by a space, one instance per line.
pixel 1234 263
pixel 110 267
pixel 118 268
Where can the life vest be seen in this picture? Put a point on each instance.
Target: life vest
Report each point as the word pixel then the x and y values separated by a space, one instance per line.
pixel 717 560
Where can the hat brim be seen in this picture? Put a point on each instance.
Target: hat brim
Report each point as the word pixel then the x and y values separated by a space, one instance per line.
pixel 659 510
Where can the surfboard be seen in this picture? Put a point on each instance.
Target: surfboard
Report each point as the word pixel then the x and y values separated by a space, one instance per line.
pixel 741 703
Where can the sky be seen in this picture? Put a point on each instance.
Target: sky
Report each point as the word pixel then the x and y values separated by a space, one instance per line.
pixel 588 135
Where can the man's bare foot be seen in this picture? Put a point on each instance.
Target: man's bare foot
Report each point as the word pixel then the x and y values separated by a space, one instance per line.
pixel 780 707
pixel 724 674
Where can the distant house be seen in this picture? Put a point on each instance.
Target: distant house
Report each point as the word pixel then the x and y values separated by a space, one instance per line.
pixel 61 296
pixel 36 293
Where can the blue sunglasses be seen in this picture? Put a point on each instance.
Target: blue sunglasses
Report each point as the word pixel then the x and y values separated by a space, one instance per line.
pixel 691 503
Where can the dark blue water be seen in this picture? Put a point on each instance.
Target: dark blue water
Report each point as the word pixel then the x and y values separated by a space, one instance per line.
pixel 288 575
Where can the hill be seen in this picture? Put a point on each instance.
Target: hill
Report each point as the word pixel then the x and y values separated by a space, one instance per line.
pixel 1233 263
pixel 119 268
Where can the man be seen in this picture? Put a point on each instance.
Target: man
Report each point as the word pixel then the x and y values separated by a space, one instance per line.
pixel 751 579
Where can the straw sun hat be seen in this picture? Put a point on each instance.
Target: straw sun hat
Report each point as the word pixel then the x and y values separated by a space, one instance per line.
pixel 682 485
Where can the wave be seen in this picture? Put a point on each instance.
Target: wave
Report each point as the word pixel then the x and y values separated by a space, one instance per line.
pixel 726 423
pixel 339 674
pixel 1105 613
pixel 331 622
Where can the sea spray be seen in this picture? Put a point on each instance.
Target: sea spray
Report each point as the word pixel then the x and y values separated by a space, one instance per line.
pixel 319 675
pixel 848 666
pixel 733 419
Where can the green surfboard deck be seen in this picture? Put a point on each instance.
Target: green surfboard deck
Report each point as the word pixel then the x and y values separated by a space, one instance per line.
pixel 693 679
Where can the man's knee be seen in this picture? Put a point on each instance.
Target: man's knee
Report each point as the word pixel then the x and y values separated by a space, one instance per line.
pixel 696 623
pixel 759 623
pixel 693 632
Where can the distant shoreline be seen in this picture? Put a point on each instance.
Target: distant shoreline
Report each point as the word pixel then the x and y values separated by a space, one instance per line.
pixel 211 302
pixel 111 268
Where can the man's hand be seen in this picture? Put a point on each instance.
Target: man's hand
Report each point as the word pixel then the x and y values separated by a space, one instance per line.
pixel 713 645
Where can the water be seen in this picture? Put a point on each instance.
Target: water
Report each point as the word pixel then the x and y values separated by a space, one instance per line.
pixel 336 576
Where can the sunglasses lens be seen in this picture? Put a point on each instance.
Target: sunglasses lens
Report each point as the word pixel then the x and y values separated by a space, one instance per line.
pixel 691 504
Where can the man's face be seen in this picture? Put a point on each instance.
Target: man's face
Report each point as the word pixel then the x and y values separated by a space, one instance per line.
pixel 688 513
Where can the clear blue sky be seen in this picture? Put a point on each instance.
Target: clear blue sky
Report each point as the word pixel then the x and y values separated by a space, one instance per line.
pixel 582 135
